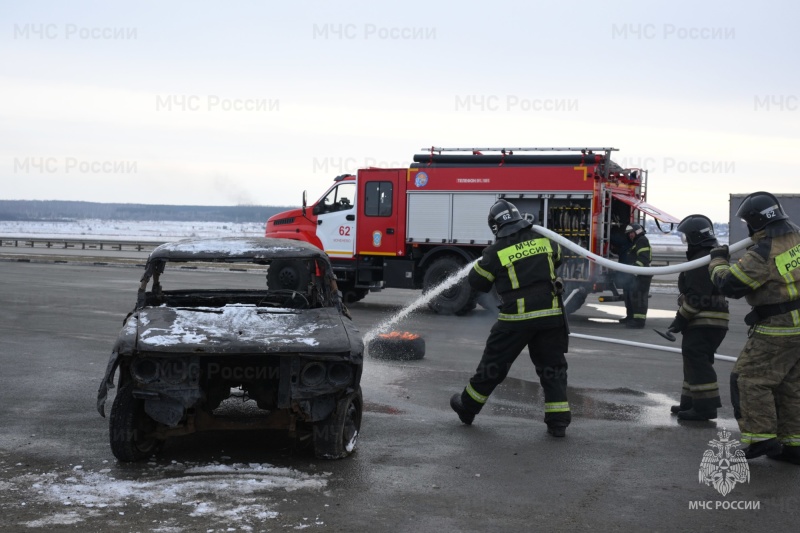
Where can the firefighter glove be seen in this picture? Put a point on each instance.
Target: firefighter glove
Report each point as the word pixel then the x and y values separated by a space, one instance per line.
pixel 679 324
pixel 720 252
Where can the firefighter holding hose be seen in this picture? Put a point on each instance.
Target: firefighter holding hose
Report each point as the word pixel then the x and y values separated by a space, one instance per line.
pixel 521 264
pixel 703 321
pixel 765 382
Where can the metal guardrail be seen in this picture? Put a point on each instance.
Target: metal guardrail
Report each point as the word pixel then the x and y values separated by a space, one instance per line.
pixel 79 244
pixel 659 256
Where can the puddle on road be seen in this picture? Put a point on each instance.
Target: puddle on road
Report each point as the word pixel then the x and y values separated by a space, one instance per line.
pixel 517 397
pixel 520 398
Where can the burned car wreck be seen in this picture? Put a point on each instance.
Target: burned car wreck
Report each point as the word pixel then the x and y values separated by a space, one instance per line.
pixel 182 352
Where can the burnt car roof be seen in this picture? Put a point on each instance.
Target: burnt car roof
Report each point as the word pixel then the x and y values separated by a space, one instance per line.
pixel 235 248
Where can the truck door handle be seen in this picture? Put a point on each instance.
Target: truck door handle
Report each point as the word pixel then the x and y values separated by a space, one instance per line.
pixel 350 217
pixel 389 231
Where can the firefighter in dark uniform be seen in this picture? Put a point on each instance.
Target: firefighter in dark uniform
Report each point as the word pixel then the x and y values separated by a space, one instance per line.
pixel 521 264
pixel 703 320
pixel 637 290
pixel 765 382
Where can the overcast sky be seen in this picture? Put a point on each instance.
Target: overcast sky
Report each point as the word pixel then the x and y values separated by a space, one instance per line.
pixel 251 102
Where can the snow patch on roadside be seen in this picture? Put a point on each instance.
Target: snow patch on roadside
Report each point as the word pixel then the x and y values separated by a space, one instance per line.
pixel 167 230
pixel 58 519
pixel 224 494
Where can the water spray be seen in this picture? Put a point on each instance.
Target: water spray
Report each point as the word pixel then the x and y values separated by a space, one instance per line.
pixel 419 302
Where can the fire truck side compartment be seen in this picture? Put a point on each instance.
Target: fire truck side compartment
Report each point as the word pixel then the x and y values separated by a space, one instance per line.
pixel 399 273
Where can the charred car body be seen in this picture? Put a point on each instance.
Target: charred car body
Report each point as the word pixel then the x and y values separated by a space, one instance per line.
pixel 181 353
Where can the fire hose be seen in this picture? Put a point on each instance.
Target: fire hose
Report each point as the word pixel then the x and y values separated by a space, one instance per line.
pixel 642 271
pixel 631 269
pixel 643 345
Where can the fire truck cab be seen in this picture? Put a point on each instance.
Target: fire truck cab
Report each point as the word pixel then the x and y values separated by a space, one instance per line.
pixel 413 227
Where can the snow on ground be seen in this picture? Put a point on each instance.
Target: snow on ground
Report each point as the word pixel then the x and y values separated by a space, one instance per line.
pixel 159 231
pixel 173 230
pixel 232 497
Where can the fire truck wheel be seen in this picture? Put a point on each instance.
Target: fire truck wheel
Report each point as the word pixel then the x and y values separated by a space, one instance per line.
pixel 471 304
pixel 288 275
pixel 456 300
pixel 397 346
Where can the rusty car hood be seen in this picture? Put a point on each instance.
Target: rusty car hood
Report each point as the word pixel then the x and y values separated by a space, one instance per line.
pixel 241 329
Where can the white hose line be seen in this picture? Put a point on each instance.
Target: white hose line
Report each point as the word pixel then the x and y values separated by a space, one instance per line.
pixel 644 345
pixel 630 269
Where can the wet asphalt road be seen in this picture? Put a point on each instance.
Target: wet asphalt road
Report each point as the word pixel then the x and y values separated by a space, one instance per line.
pixel 626 463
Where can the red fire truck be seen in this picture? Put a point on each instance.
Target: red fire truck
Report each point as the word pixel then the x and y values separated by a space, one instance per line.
pixel 412 228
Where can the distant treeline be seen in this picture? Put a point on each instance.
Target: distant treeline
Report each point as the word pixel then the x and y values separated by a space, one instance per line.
pixel 59 210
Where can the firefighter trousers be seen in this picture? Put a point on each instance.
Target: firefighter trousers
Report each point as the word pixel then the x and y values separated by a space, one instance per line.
pixel 700 387
pixel 637 294
pixel 546 348
pixel 765 389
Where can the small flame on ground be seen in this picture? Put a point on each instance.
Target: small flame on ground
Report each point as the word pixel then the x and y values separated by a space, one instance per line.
pixel 404 335
pixel 419 302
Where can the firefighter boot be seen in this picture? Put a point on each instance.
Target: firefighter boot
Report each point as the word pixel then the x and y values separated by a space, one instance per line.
pixel 790 454
pixel 691 414
pixel 686 404
pixel 635 323
pixel 465 416
pixel 557 431
pixel 769 447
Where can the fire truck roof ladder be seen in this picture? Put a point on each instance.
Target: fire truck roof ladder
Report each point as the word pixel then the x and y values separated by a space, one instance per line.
pixel 440 150
pixel 511 156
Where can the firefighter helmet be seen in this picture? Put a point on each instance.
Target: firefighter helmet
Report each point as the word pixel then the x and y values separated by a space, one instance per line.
pixel 636 229
pixel 759 209
pixel 698 230
pixel 505 219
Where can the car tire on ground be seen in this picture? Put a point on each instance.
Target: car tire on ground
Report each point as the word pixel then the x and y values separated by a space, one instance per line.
pixel 397 347
pixel 456 300
pixel 336 436
pixel 128 427
pixel 288 275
